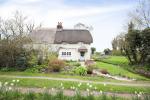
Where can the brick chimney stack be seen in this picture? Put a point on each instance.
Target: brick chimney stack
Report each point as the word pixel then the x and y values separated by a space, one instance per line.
pixel 59 26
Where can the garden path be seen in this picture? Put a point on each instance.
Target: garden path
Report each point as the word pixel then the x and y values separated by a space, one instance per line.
pixel 70 92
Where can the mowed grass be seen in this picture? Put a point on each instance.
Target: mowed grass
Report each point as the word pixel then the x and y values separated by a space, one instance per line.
pixel 119 71
pixel 42 83
pixel 116 60
pixel 59 75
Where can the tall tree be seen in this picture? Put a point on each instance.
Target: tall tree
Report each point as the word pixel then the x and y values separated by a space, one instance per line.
pixel 14 32
pixel 93 49
pixel 141 15
pixel 83 26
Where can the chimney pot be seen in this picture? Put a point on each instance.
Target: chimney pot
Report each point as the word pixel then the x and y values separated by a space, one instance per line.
pixel 59 26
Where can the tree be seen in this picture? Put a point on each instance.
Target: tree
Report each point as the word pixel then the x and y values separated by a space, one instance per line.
pixel 136 41
pixel 141 15
pixel 114 43
pixel 107 51
pixel 14 35
pixel 117 44
pixel 137 45
pixel 93 50
pixel 83 26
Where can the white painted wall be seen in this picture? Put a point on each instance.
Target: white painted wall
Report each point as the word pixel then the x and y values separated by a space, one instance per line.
pixel 64 47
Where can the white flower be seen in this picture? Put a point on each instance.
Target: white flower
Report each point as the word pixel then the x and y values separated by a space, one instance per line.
pixel 91 93
pixel 52 89
pixel 73 87
pixel 61 84
pixel 13 80
pixel 12 84
pixel 90 86
pixel 138 95
pixel 100 92
pixel 79 85
pixel 17 80
pixel 87 90
pixel 95 87
pixel 104 84
pixel 87 84
pixel 5 83
pixel 9 88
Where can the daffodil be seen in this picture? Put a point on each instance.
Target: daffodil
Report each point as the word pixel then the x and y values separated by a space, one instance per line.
pixel 12 84
pixel 100 91
pixel 17 80
pixel 13 80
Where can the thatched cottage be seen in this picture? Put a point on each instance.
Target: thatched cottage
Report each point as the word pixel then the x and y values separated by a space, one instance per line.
pixel 70 44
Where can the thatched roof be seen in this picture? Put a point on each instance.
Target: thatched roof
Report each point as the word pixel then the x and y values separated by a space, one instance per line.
pixel 43 35
pixel 73 36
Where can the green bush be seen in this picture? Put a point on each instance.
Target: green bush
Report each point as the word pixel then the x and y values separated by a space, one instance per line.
pixel 6 69
pixel 32 70
pixel 56 65
pixel 33 60
pixel 36 69
pixel 81 70
pixel 73 63
pixel 21 62
pixel 90 68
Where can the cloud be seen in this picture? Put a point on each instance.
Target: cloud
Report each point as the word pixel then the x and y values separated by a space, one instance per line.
pixel 49 12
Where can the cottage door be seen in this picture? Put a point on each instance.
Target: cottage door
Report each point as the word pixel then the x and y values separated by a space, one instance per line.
pixel 82 56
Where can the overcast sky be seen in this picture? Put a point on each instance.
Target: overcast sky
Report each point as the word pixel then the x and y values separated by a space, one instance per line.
pixel 106 16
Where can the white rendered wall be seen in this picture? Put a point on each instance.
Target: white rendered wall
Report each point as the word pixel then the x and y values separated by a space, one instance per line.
pixel 73 48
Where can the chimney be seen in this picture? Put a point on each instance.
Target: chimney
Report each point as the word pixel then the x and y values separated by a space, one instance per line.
pixel 59 26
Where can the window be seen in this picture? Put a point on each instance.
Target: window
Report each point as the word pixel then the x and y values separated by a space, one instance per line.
pixel 69 53
pixel 66 54
pixel 63 53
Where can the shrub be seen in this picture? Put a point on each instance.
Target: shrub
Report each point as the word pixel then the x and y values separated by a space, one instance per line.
pixel 90 66
pixel 36 69
pixel 90 69
pixel 77 64
pixel 80 70
pixel 74 63
pixel 89 62
pixel 104 71
pixel 33 60
pixel 21 62
pixel 56 65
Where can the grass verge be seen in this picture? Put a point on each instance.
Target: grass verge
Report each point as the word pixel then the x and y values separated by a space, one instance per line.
pixel 41 83
pixel 120 71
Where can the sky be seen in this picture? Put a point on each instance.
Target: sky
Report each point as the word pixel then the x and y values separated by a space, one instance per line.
pixel 107 17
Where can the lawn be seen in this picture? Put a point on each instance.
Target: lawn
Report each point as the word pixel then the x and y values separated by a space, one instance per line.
pixel 116 60
pixel 59 75
pixel 41 83
pixel 120 71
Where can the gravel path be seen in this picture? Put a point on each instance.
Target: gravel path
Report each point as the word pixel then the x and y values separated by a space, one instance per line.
pixel 73 92
pixel 78 80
